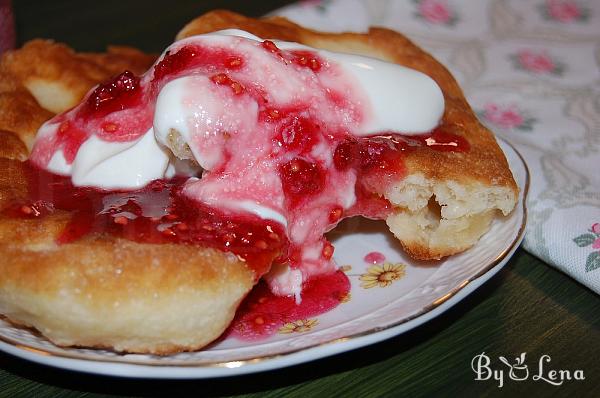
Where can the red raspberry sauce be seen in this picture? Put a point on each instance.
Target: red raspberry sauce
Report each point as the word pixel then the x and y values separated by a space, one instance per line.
pixel 158 213
pixel 374 258
pixel 262 313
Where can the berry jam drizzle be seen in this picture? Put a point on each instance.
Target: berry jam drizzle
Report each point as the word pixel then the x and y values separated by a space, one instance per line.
pixel 262 313
pixel 158 213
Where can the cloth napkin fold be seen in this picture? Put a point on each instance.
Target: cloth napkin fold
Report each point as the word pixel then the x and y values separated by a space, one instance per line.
pixel 531 70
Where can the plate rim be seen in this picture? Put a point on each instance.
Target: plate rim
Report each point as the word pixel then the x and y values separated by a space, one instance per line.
pixel 74 360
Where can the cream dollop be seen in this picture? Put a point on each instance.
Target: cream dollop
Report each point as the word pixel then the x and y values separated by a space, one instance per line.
pixel 397 99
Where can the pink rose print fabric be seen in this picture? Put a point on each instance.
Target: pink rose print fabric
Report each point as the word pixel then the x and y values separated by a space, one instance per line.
pixel 591 238
pixel 538 62
pixel 564 11
pixel 436 12
pixel 507 117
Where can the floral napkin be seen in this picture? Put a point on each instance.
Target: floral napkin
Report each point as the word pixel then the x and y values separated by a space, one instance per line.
pixel 531 71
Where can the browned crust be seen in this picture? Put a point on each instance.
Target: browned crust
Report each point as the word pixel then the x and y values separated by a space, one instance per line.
pixel 172 264
pixel 13 185
pixel 486 163
pixel 16 101
pixel 11 147
pixel 45 60
pixel 111 280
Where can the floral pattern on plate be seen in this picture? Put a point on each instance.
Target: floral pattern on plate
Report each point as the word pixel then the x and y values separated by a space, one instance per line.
pixel 299 326
pixel 382 276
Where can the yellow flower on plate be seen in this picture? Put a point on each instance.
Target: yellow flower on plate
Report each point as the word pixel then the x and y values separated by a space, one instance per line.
pixel 382 276
pixel 299 326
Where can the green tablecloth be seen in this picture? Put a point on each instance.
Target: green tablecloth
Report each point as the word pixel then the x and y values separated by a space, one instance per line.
pixel 529 307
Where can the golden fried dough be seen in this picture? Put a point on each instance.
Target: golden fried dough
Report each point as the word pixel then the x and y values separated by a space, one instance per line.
pixel 112 293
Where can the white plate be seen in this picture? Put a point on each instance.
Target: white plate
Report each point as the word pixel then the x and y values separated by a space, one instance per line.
pixel 371 315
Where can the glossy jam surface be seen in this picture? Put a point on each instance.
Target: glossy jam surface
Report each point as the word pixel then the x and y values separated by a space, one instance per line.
pixel 441 140
pixel 115 95
pixel 263 314
pixel 374 258
pixel 158 214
